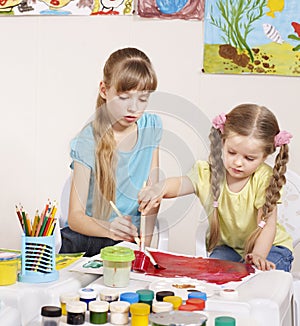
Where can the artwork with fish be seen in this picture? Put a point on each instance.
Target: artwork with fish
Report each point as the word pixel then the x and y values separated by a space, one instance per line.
pixel 264 39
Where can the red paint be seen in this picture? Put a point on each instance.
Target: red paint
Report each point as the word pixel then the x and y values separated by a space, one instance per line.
pixel 3 2
pixel 206 269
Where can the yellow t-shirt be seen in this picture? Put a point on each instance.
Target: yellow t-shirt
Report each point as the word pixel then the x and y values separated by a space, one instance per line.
pixel 237 211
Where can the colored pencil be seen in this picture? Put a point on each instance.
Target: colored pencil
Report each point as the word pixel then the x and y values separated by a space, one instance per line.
pixel 143 227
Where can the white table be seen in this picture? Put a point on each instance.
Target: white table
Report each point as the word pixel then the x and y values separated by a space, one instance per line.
pixel 22 302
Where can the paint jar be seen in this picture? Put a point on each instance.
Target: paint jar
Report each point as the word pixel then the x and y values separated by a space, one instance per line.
pixel 200 303
pixel 116 265
pixel 161 294
pixel 109 295
pixel 131 297
pixel 229 293
pixel 198 295
pixel 146 296
pixel 177 318
pixel 119 312
pixel 76 312
pixel 67 297
pixel 140 314
pixel 188 307
pixel 87 295
pixel 224 321
pixel 98 312
pixel 159 306
pixel 50 315
pixel 175 300
pixel 8 267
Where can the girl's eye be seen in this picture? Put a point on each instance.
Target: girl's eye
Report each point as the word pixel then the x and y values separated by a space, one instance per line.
pixel 144 99
pixel 250 158
pixel 231 153
pixel 123 97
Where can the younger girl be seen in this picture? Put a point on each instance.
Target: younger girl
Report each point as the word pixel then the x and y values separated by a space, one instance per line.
pixel 238 190
pixel 112 157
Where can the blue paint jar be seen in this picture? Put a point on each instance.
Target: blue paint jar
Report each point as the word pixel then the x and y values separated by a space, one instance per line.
pixel 87 295
pixel 197 295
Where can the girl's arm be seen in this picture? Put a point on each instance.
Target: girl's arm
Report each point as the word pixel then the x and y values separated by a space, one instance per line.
pixel 119 229
pixel 151 196
pixel 264 243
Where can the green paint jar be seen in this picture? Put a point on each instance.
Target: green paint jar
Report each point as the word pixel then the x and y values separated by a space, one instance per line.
pixel 146 296
pixel 224 321
pixel 98 312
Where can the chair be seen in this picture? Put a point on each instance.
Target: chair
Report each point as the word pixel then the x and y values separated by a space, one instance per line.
pixel 289 217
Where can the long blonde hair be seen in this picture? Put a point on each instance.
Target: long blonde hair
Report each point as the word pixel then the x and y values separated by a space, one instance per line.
pixel 126 69
pixel 260 123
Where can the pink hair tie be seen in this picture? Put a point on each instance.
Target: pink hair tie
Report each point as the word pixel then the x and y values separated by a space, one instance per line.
pixel 216 204
pixel 282 138
pixel 261 224
pixel 219 122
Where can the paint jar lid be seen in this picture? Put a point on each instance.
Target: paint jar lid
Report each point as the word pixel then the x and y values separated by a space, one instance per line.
pixel 178 318
pixel 66 297
pixel 197 294
pixel 145 295
pixel 162 306
pixel 98 306
pixel 161 294
pixel 117 254
pixel 188 307
pixel 140 309
pixel 174 299
pixel 51 311
pixel 200 303
pixel 87 293
pixel 76 307
pixel 224 321
pixel 131 297
pixel 119 306
pixel 109 295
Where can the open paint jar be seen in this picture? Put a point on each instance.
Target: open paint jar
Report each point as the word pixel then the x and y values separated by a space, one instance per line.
pixel 116 265
pixel 177 318
pixel 8 267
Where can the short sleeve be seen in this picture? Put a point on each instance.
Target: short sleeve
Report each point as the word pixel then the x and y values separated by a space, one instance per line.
pixel 200 178
pixel 82 148
pixel 261 181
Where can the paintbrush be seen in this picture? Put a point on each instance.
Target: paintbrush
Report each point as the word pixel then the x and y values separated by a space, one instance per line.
pixel 153 261
pixel 115 208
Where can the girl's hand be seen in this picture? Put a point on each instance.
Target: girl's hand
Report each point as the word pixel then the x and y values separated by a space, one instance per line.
pixel 259 262
pixel 121 228
pixel 150 197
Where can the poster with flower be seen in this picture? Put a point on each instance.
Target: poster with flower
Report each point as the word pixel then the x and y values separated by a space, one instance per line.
pixel 171 9
pixel 252 37
pixel 66 7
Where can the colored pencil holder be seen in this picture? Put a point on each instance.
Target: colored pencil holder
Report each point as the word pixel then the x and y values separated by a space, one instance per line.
pixel 38 259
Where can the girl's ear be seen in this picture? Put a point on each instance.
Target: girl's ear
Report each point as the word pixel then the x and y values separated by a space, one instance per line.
pixel 102 89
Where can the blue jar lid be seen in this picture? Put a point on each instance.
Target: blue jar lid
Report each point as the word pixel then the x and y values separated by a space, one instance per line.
pixel 198 295
pixel 131 297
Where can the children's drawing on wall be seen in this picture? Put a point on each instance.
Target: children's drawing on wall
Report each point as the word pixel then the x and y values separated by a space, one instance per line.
pixel 252 37
pixel 172 9
pixel 66 7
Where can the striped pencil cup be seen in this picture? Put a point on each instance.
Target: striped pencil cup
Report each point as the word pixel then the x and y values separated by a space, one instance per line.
pixel 38 259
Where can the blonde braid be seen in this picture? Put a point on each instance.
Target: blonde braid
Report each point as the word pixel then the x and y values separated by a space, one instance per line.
pixel 216 177
pixel 277 181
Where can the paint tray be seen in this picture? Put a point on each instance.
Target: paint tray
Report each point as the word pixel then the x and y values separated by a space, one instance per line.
pixel 38 259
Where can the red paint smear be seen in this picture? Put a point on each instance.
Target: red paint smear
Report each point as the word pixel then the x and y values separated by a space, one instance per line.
pixel 206 269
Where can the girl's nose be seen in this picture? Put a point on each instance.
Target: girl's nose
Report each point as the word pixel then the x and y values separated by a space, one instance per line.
pixel 238 161
pixel 132 106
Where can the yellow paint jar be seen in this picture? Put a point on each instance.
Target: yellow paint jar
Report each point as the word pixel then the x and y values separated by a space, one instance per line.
pixel 65 298
pixel 139 314
pixel 8 267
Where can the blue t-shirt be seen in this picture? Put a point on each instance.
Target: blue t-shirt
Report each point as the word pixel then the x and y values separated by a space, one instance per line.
pixel 133 167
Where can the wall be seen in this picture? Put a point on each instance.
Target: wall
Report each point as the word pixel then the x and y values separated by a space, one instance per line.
pixel 50 70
